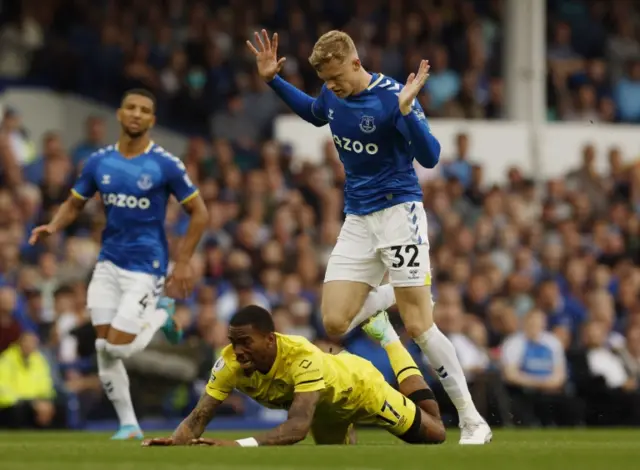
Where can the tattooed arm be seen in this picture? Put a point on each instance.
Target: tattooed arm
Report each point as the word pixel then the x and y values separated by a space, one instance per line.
pixel 194 425
pixel 298 422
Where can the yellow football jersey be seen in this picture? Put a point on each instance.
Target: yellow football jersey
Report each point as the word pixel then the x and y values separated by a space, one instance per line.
pixel 351 387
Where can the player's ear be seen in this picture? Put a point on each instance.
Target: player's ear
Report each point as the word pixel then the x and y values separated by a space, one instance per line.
pixel 119 115
pixel 153 122
pixel 356 64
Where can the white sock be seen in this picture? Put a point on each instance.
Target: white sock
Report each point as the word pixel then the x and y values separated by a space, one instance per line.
pixel 155 322
pixel 442 356
pixel 378 299
pixel 115 383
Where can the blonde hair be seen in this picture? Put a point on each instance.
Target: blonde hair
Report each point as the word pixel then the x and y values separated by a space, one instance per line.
pixel 332 45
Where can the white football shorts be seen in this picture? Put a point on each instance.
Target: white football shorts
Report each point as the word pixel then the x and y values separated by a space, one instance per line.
pixel 121 298
pixel 393 239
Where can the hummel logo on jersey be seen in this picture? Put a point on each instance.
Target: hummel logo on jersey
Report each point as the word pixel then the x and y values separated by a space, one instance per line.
pixel 124 200
pixel 330 115
pixel 106 179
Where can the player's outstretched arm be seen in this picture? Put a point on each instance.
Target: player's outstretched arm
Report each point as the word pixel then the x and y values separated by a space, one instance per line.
pixel 192 427
pixel 64 216
pixel 412 122
pixel 298 423
pixel 292 431
pixel 269 66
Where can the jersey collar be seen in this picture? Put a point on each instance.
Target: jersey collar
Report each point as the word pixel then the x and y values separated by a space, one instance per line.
pixel 375 80
pixel 146 150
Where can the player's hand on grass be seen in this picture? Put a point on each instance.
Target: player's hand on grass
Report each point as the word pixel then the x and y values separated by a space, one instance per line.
pixel 413 87
pixel 158 442
pixel 180 281
pixel 266 55
pixel 41 232
pixel 203 441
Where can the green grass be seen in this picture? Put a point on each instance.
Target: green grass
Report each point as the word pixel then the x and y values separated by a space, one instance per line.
pixel 518 450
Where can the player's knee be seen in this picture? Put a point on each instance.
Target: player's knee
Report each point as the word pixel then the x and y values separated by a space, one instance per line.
pixel 335 326
pixel 101 345
pixel 437 434
pixel 120 351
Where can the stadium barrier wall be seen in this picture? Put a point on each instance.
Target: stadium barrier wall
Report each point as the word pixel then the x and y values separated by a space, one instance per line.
pixel 43 111
pixel 550 151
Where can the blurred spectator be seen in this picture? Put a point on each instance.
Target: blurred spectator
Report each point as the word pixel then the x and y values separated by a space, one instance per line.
pixel 460 168
pixel 19 39
pixel 94 140
pixel 535 370
pixel 26 386
pixel 610 390
pixel 9 327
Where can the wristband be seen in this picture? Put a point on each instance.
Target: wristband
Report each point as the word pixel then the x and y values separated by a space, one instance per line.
pixel 248 442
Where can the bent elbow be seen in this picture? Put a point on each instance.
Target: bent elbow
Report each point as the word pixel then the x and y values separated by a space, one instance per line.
pixel 300 433
pixel 434 148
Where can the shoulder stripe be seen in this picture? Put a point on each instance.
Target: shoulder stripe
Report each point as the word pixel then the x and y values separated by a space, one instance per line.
pixel 190 196
pixel 78 195
pixel 390 85
pixel 304 382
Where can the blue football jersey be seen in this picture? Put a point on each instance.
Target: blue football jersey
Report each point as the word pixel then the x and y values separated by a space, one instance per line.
pixel 135 193
pixel 373 144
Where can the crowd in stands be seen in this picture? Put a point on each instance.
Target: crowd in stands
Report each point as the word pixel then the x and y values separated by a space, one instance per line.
pixel 537 285
pixel 537 282
pixel 192 54
pixel 593 55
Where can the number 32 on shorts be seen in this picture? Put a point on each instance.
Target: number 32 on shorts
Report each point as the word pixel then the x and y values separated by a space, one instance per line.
pixel 405 255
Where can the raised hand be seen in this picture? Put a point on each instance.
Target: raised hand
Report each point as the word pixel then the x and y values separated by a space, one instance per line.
pixel 415 84
pixel 266 55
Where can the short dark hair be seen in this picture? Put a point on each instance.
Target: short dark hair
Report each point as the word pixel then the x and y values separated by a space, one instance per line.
pixel 141 92
pixel 64 289
pixel 256 316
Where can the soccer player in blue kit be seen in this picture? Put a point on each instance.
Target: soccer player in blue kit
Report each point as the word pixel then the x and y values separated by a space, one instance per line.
pixel 135 179
pixel 378 128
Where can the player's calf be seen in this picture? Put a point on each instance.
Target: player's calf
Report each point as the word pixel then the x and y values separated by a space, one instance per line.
pixel 431 429
pixel 416 309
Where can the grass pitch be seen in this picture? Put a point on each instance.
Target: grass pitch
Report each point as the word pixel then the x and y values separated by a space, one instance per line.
pixel 511 449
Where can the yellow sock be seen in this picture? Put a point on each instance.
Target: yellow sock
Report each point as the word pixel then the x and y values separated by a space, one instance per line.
pixel 401 361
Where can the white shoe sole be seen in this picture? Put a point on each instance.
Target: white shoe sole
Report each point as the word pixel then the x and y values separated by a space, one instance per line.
pixel 487 439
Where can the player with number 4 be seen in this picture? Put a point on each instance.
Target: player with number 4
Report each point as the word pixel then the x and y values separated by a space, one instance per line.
pixel 135 178
pixel 379 128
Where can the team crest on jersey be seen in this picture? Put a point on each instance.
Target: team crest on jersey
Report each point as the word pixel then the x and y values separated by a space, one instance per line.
pixel 367 124
pixel 218 365
pixel 145 182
